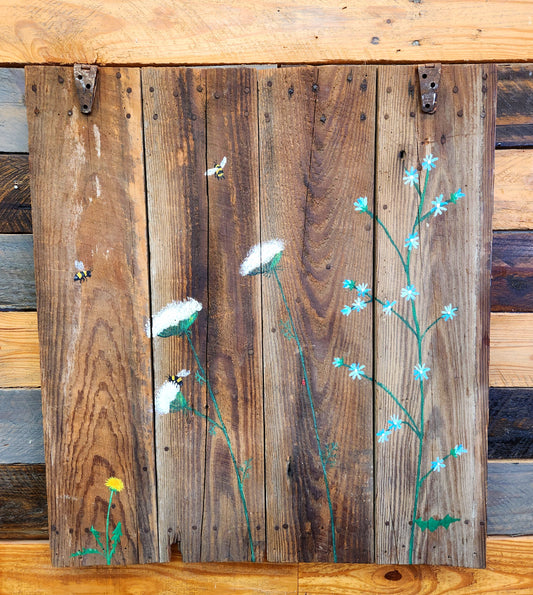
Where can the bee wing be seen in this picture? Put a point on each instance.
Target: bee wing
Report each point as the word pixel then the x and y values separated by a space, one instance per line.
pixel 223 162
pixel 79 265
pixel 211 171
pixel 183 373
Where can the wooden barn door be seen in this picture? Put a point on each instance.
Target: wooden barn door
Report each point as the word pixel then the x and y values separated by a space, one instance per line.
pixel 309 254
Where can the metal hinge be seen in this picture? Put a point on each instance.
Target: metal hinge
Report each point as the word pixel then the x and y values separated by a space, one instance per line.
pixel 85 77
pixel 429 77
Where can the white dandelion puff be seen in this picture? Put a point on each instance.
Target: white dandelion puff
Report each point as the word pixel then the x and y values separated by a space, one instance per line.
pixel 262 258
pixel 165 394
pixel 174 319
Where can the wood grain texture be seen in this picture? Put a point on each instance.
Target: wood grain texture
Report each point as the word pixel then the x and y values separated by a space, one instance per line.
pixel 13 121
pixel 17 290
pixel 511 353
pixel 23 511
pixel 509 498
pixel 152 32
pixel 313 121
pixel 452 264
pixel 15 204
pixel 19 350
pixel 512 272
pixel 510 423
pixel 88 203
pixel 21 426
pixel 174 115
pixel 514 119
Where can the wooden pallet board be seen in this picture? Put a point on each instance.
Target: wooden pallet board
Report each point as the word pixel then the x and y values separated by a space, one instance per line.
pixel 21 426
pixel 513 190
pixel 515 106
pixel 17 291
pixel 510 423
pixel 511 338
pixel 19 350
pixel 15 203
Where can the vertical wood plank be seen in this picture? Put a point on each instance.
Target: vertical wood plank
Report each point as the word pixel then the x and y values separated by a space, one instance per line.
pixel 88 204
pixel 317 149
pixel 175 127
pixel 234 507
pixel 452 265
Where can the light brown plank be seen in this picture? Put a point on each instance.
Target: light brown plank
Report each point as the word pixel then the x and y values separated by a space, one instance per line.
pixel 19 350
pixel 452 264
pixel 152 32
pixel 513 189
pixel 174 114
pixel 312 128
pixel 13 121
pixel 88 203
pixel 511 353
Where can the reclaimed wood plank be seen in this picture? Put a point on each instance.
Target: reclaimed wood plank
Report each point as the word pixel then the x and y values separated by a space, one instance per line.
pixel 21 427
pixel 512 272
pixel 23 511
pixel 88 204
pixel 15 204
pixel 509 498
pixel 13 121
pixel 451 264
pixel 19 350
pixel 17 290
pixel 514 118
pixel 234 500
pixel 324 119
pixel 174 108
pixel 511 353
pixel 510 423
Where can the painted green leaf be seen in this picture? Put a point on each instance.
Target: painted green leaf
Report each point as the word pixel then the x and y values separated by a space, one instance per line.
pixel 432 523
pixel 178 403
pixel 180 328
pixel 97 536
pixel 115 538
pixel 85 551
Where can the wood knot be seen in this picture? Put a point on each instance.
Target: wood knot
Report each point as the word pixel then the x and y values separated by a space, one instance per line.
pixel 393 575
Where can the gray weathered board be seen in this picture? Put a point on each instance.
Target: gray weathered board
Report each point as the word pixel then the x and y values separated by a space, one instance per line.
pixel 272 453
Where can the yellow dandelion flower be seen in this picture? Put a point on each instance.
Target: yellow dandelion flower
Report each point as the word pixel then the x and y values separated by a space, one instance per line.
pixel 115 484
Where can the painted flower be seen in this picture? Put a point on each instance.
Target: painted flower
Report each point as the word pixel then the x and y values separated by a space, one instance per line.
pixel 449 312
pixel 409 292
pixel 169 398
pixel 455 196
pixel 359 305
pixel 361 204
pixel 429 162
pixel 411 241
pixel 437 465
pixel 395 423
pixel 262 258
pixel 458 450
pixel 439 205
pixel 387 307
pixel 338 362
pixel 346 310
pixel 411 176
pixel 115 484
pixel 348 284
pixel 175 318
pixel 421 372
pixel 362 289
pixel 383 435
pixel 356 371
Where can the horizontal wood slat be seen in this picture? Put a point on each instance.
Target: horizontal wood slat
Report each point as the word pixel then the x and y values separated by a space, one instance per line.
pixel 17 287
pixel 13 120
pixel 19 350
pixel 515 106
pixel 15 203
pixel 510 423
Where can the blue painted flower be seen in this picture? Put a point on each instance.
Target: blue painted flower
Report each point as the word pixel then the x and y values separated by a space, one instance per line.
pixel 458 450
pixel 383 435
pixel 395 423
pixel 338 362
pixel 429 162
pixel 359 305
pixel 387 307
pixel 455 196
pixel 346 310
pixel 421 371
pixel 362 289
pixel 361 204
pixel 437 465
pixel 449 312
pixel 411 176
pixel 348 284
pixel 356 371
pixel 439 205
pixel 409 292
pixel 411 241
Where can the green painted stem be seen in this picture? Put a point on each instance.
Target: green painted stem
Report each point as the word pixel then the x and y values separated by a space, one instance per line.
pixel 228 441
pixel 373 216
pixel 108 559
pixel 204 416
pixel 430 326
pixel 315 425
pixel 424 477
pixel 398 315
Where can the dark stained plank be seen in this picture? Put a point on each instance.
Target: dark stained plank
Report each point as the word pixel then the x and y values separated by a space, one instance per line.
pixel 88 202
pixel 452 265
pixel 13 121
pixel 509 498
pixel 234 516
pixel 514 119
pixel 177 200
pixel 317 148
pixel 510 423
pixel 15 205
pixel 17 288
pixel 23 513
pixel 512 272
pixel 21 426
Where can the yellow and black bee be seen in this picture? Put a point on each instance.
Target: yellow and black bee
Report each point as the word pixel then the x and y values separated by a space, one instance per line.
pixel 175 379
pixel 82 274
pixel 217 170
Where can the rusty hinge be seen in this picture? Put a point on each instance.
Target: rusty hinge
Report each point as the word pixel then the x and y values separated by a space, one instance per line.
pixel 85 77
pixel 429 77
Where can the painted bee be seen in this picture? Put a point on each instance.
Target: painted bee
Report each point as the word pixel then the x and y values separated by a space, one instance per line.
pixel 217 170
pixel 177 379
pixel 82 274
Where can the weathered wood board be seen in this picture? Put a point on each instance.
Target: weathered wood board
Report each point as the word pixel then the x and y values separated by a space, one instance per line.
pixel 13 121
pixel 21 426
pixel 88 204
pixel 510 424
pixel 515 106
pixel 433 361
pixel 17 287
pixel 15 204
